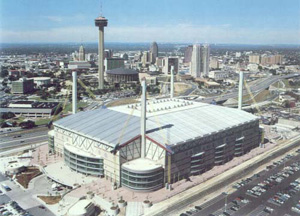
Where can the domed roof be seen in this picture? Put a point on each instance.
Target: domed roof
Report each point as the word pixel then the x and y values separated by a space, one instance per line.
pixel 122 71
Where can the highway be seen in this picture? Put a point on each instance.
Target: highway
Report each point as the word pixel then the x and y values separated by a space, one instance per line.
pixel 190 90
pixel 22 138
pixel 255 88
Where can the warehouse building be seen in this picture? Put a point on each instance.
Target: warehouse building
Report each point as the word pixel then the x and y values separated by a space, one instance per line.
pixel 31 108
pixel 144 146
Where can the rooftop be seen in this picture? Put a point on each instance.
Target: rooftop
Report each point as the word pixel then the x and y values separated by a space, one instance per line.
pixel 100 18
pixel 30 104
pixel 141 165
pixel 122 71
pixel 169 121
pixel 100 21
pixel 40 78
pixel 80 208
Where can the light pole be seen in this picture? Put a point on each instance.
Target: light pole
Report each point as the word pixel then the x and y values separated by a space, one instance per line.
pixel 226 194
pixel 225 205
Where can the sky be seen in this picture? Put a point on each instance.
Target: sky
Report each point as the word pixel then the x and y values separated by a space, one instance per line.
pixel 188 21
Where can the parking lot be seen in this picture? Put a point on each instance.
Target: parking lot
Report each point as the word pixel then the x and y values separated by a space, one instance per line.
pixel 273 191
pixel 17 201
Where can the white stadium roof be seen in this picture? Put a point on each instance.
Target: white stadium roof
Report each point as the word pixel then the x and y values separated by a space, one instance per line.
pixel 169 121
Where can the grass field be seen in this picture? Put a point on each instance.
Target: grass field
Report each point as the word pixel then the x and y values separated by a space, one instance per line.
pixel 262 96
pixel 68 107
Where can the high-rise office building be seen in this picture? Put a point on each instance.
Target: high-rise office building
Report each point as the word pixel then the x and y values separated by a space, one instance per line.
pixel 205 52
pixel 113 63
pixel 254 59
pixel 214 63
pixel 195 67
pixel 199 66
pixel 167 63
pixel 153 52
pixel 188 54
pixel 146 58
pixel 81 53
pixel 108 53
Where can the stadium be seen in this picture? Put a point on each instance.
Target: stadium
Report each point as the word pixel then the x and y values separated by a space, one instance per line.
pixel 121 75
pixel 146 145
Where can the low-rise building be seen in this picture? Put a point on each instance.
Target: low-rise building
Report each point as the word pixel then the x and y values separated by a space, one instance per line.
pixel 41 81
pixel 82 208
pixel 31 108
pixel 79 65
pixel 218 75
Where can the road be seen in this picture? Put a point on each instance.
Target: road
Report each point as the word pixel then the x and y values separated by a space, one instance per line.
pixel 257 87
pixel 26 199
pixel 21 138
pixel 190 90
pixel 255 203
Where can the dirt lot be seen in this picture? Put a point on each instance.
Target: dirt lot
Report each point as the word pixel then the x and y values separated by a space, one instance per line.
pixel 122 102
pixel 50 200
pixel 25 177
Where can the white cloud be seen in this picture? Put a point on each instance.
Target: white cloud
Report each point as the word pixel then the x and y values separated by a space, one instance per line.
pixel 54 18
pixel 173 33
pixel 74 18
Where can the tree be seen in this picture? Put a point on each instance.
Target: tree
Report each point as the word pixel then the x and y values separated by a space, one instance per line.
pixel 137 90
pixel 286 104
pixel 11 115
pixel 273 71
pixel 28 124
pixel 29 75
pixel 4 73
pixel 7 115
pixel 12 78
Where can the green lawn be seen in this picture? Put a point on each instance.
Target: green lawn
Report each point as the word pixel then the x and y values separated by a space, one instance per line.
pixel 287 84
pixel 42 121
pixel 38 98
pixel 68 107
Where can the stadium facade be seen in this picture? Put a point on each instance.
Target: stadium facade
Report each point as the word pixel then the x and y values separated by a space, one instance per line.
pixel 173 139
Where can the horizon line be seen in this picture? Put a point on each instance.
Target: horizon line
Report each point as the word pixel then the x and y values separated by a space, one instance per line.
pixel 143 42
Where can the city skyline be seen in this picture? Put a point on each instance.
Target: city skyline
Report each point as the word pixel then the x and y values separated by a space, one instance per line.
pixel 242 22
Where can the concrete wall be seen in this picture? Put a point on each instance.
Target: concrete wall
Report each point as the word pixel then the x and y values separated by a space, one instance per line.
pixel 181 159
pixel 111 162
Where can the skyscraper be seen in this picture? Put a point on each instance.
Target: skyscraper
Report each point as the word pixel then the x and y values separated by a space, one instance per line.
pixel 101 22
pixel 81 53
pixel 205 52
pixel 167 64
pixel 188 54
pixel 196 61
pixel 199 66
pixel 153 52
pixel 146 58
